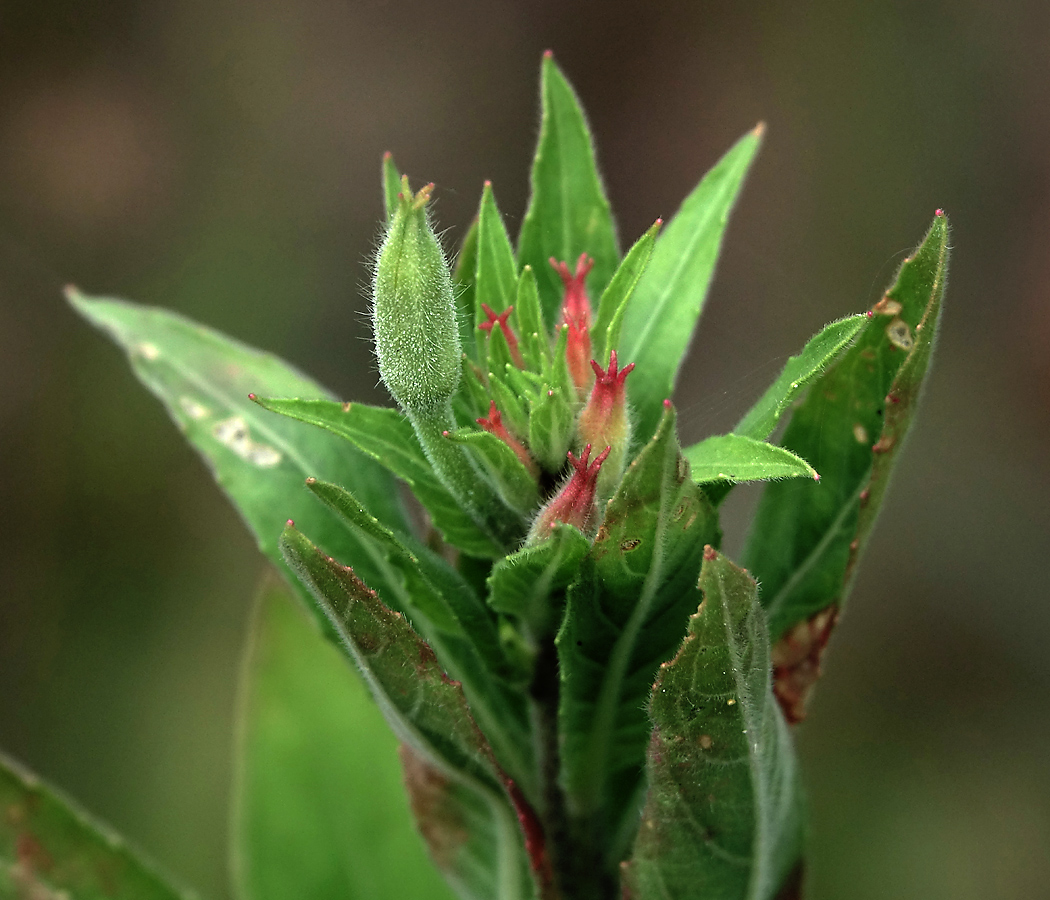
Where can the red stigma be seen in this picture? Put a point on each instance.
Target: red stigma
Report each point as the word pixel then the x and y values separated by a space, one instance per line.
pixel 500 320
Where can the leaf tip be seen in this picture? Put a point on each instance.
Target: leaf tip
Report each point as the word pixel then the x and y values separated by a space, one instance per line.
pixel 548 55
pixel 939 213
pixel 310 480
pixel 710 553
pixel 290 523
pixel 759 131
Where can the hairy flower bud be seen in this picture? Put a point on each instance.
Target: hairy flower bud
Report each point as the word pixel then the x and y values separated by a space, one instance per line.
pixel 576 315
pixel 604 420
pixel 575 504
pixel 414 310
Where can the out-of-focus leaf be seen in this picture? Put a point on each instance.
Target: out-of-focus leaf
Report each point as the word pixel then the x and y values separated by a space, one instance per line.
pixel 605 333
pixel 261 461
pixel 661 316
pixel 733 457
pixel 806 538
pixel 723 816
pixel 568 211
pixel 800 370
pixel 626 614
pixel 495 276
pixel 51 849
pixel 387 436
pixel 391 184
pixel 319 808
pixel 472 839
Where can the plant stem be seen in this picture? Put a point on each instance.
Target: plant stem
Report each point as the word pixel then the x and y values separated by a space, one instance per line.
pixel 577 863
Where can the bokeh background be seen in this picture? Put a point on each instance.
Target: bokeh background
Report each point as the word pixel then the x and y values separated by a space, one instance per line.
pixel 221 158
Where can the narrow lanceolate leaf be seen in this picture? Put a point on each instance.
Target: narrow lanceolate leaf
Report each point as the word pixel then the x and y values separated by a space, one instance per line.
pixel 495 276
pixel 733 457
pixel 605 332
pixel 391 185
pixel 660 319
pixel 568 211
pixel 387 437
pixel 319 807
pixel 530 584
pixel 425 709
pixel 722 819
pixel 806 539
pixel 455 624
pixel 203 379
pixel 51 849
pixel 473 840
pixel 535 342
pixel 796 376
pixel 626 614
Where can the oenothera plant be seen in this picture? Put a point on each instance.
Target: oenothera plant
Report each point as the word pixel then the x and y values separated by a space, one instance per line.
pixel 522 564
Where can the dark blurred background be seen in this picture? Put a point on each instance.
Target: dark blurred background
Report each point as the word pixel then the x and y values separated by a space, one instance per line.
pixel 221 158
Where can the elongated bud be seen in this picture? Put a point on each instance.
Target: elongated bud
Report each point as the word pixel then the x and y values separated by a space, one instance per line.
pixel 493 424
pixel 414 310
pixel 576 314
pixel 575 503
pixel 604 420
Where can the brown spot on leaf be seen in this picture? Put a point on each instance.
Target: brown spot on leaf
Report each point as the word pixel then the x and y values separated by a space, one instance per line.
pixel 429 796
pixel 705 742
pixel 796 662
pixel 629 545
pixel 887 307
pixel 884 444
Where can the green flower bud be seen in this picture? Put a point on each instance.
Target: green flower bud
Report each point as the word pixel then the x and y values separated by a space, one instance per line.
pixel 414 310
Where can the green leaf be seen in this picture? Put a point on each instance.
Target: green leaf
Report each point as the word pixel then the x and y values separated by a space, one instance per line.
pixel 406 589
pixel 260 461
pixel 806 539
pixel 526 584
pixel 424 586
pixel 626 615
pixel 496 276
pixel 425 709
pixel 568 211
pixel 800 370
pixel 391 184
pixel 733 457
pixel 535 342
pixel 473 841
pixel 319 810
pixel 723 817
pixel 513 481
pixel 660 319
pixel 51 849
pixel 387 437
pixel 605 332
pixel 463 280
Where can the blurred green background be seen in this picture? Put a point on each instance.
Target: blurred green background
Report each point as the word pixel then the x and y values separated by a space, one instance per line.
pixel 221 158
